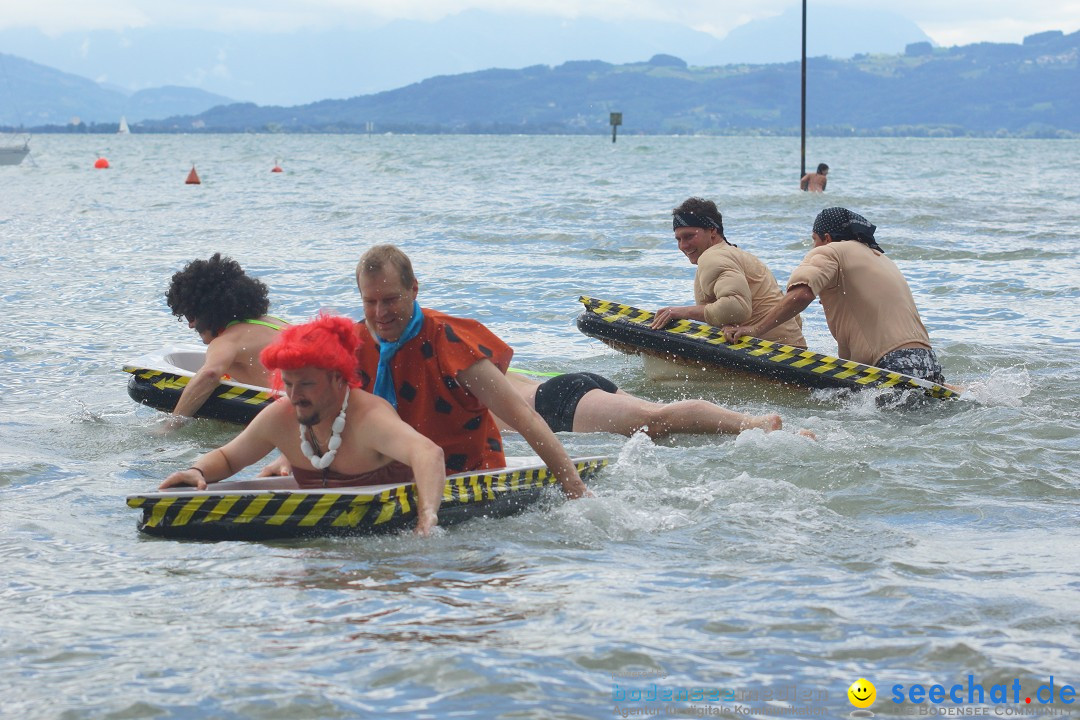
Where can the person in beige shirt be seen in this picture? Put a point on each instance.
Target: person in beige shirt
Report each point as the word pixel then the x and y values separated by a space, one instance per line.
pixel 731 286
pixel 868 304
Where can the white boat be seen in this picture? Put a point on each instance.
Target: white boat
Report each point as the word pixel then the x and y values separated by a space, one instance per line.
pixel 123 129
pixel 12 152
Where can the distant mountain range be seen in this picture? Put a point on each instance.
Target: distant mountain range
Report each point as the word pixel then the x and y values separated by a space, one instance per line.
pixel 1024 89
pixel 308 65
pixel 33 95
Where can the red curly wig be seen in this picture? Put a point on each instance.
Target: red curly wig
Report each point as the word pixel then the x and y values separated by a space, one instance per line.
pixel 328 342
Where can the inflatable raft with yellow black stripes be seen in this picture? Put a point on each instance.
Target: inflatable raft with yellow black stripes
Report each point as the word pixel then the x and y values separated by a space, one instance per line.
pixel 157 379
pixel 626 328
pixel 272 508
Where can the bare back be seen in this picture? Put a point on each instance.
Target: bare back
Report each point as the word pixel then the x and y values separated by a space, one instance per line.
pixel 246 340
pixel 814 182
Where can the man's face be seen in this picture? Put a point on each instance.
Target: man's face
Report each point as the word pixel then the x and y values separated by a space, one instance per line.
pixel 315 393
pixel 694 241
pixel 388 303
pixel 205 335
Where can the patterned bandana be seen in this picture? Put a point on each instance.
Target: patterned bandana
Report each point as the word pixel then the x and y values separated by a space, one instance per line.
pixel 842 224
pixel 689 219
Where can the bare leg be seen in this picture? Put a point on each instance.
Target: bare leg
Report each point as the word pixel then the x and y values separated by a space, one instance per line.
pixel 625 414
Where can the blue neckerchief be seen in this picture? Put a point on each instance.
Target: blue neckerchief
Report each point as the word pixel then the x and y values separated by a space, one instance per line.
pixel 384 380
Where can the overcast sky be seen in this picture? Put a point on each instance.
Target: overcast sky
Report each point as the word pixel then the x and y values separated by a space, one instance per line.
pixel 948 22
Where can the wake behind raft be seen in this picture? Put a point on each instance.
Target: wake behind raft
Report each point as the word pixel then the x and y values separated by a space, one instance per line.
pixel 626 328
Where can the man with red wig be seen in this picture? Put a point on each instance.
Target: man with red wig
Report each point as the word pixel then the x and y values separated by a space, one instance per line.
pixel 331 433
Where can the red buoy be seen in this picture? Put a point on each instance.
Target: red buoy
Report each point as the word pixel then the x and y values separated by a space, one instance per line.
pixel 101 164
pixel 277 166
pixel 193 177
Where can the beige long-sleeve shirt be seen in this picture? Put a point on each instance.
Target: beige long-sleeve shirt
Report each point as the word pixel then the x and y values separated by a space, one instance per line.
pixel 737 288
pixel 867 302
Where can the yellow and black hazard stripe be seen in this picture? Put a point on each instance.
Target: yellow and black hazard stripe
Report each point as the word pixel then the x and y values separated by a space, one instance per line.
pixel 627 328
pixel 220 514
pixel 161 390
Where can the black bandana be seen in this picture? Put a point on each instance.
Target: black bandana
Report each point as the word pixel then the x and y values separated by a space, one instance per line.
pixel 689 219
pixel 842 224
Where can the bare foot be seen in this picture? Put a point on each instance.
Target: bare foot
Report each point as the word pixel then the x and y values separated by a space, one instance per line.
pixel 806 433
pixel 768 423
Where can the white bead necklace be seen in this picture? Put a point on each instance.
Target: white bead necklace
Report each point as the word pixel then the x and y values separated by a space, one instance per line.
pixel 321 463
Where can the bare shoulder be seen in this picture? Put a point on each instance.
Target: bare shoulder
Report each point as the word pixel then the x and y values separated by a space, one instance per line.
pixel 230 338
pixel 370 418
pixel 365 407
pixel 277 413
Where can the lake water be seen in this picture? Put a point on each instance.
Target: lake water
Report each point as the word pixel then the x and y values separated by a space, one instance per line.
pixel 915 547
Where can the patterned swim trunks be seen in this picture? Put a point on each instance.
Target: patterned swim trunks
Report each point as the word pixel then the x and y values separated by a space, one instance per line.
pixel 916 362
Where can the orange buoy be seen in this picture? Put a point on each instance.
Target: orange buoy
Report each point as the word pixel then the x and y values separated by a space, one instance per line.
pixel 277 166
pixel 101 164
pixel 193 177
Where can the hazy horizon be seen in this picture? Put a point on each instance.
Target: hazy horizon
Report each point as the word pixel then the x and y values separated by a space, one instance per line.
pixel 289 53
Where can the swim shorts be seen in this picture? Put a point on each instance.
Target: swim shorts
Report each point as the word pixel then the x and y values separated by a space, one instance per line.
pixel 916 362
pixel 557 399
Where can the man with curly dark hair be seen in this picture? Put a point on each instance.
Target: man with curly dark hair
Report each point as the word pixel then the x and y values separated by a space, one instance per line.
pixel 228 310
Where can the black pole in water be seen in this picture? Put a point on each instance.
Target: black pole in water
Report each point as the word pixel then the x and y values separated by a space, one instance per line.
pixel 616 121
pixel 802 151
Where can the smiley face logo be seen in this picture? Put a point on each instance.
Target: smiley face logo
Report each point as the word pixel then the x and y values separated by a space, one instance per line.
pixel 862 693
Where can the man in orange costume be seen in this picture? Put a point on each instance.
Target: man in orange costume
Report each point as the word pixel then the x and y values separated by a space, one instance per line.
pixel 443 374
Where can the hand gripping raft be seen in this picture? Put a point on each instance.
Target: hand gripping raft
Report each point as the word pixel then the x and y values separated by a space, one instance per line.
pixel 272 508
pixel 626 329
pixel 159 378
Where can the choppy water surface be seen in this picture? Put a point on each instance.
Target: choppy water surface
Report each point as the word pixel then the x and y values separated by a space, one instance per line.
pixel 902 547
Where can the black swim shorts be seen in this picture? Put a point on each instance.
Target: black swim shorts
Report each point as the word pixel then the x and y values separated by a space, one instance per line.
pixel 916 362
pixel 557 399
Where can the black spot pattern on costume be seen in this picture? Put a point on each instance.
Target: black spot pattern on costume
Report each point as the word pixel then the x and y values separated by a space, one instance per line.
pixel 494 444
pixel 450 334
pixel 456 462
pixel 450 382
pixel 406 391
pixel 486 351
pixel 474 423
pixel 441 406
pixel 427 351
